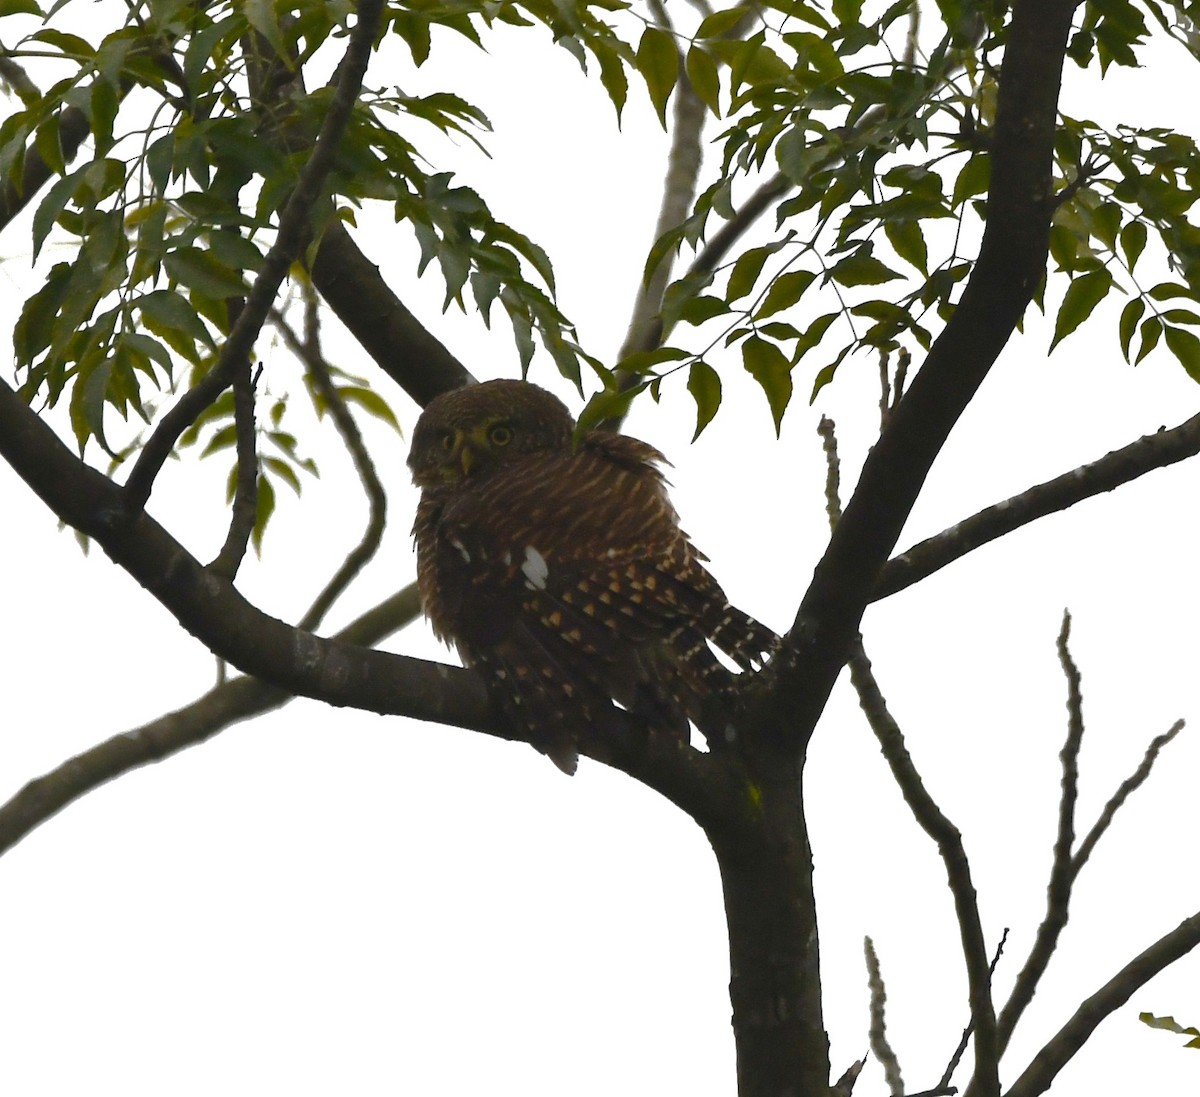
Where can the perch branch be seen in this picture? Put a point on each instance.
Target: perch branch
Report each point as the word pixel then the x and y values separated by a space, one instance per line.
pixel 1166 447
pixel 327 670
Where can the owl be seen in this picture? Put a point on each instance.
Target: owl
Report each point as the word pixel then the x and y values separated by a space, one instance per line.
pixel 559 571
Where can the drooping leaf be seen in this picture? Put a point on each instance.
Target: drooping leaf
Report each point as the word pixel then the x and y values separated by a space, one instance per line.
pixel 1186 348
pixel 768 365
pixel 1130 315
pixel 1082 296
pixel 704 384
pixel 704 77
pixel 657 60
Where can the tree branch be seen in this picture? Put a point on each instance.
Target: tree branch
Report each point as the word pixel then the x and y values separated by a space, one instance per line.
pixel 1011 262
pixel 244 512
pixel 352 287
pixel 1040 1074
pixel 1166 447
pixel 1062 876
pixel 224 705
pixel 958 871
pixel 881 1047
pixel 290 238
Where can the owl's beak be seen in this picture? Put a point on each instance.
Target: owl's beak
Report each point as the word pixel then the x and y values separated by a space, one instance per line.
pixel 466 457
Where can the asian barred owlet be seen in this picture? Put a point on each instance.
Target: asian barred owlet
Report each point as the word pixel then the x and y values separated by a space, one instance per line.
pixel 560 572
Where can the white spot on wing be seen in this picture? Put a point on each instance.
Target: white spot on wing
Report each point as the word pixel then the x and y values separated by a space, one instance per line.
pixel 535 569
pixel 462 549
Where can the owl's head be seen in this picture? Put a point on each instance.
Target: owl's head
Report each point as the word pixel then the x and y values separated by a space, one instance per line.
pixel 468 433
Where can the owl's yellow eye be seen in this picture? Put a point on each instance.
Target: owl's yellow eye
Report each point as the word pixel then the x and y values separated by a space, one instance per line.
pixel 446 441
pixel 500 435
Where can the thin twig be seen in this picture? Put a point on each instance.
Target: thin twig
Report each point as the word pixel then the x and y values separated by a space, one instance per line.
pixel 833 501
pixel 877 1032
pixel 291 238
pixel 1127 787
pixel 309 351
pixel 958 870
pixel 944 1085
pixel 244 512
pixel 1067 861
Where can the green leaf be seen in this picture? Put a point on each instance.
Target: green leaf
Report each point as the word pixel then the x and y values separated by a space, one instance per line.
pixel 261 15
pixel 49 147
pixel 720 22
pixel 1186 347
pixel 909 241
pixel 658 61
pixel 201 271
pixel 1150 332
pixel 70 44
pixel 705 386
pixel 974 179
pixel 172 319
pixel 1082 296
pixel 705 80
pixel 697 310
pixel 861 269
pixel 784 292
pixel 768 365
pixel 1130 315
pixel 612 73
pixel 605 405
pixel 371 402
pixel 643 361
pixel 266 507
pixel 1169 1024
pixel 1133 240
pixel 748 267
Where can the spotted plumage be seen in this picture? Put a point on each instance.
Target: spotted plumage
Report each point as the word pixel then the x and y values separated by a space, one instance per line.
pixel 560 572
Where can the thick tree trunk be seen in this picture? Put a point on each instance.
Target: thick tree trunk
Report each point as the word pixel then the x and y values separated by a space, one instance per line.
pixel 775 989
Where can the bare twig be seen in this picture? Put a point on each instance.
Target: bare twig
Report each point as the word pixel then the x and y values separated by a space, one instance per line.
pixel 1041 1072
pixel 1127 787
pixel 880 1047
pixel 944 1085
pixel 244 513
pixel 1058 890
pixel 833 501
pixel 233 701
pixel 958 872
pixel 309 350
pixel 290 239
pixel 1153 451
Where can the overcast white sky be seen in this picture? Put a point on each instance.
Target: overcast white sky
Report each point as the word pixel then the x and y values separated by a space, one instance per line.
pixel 324 901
